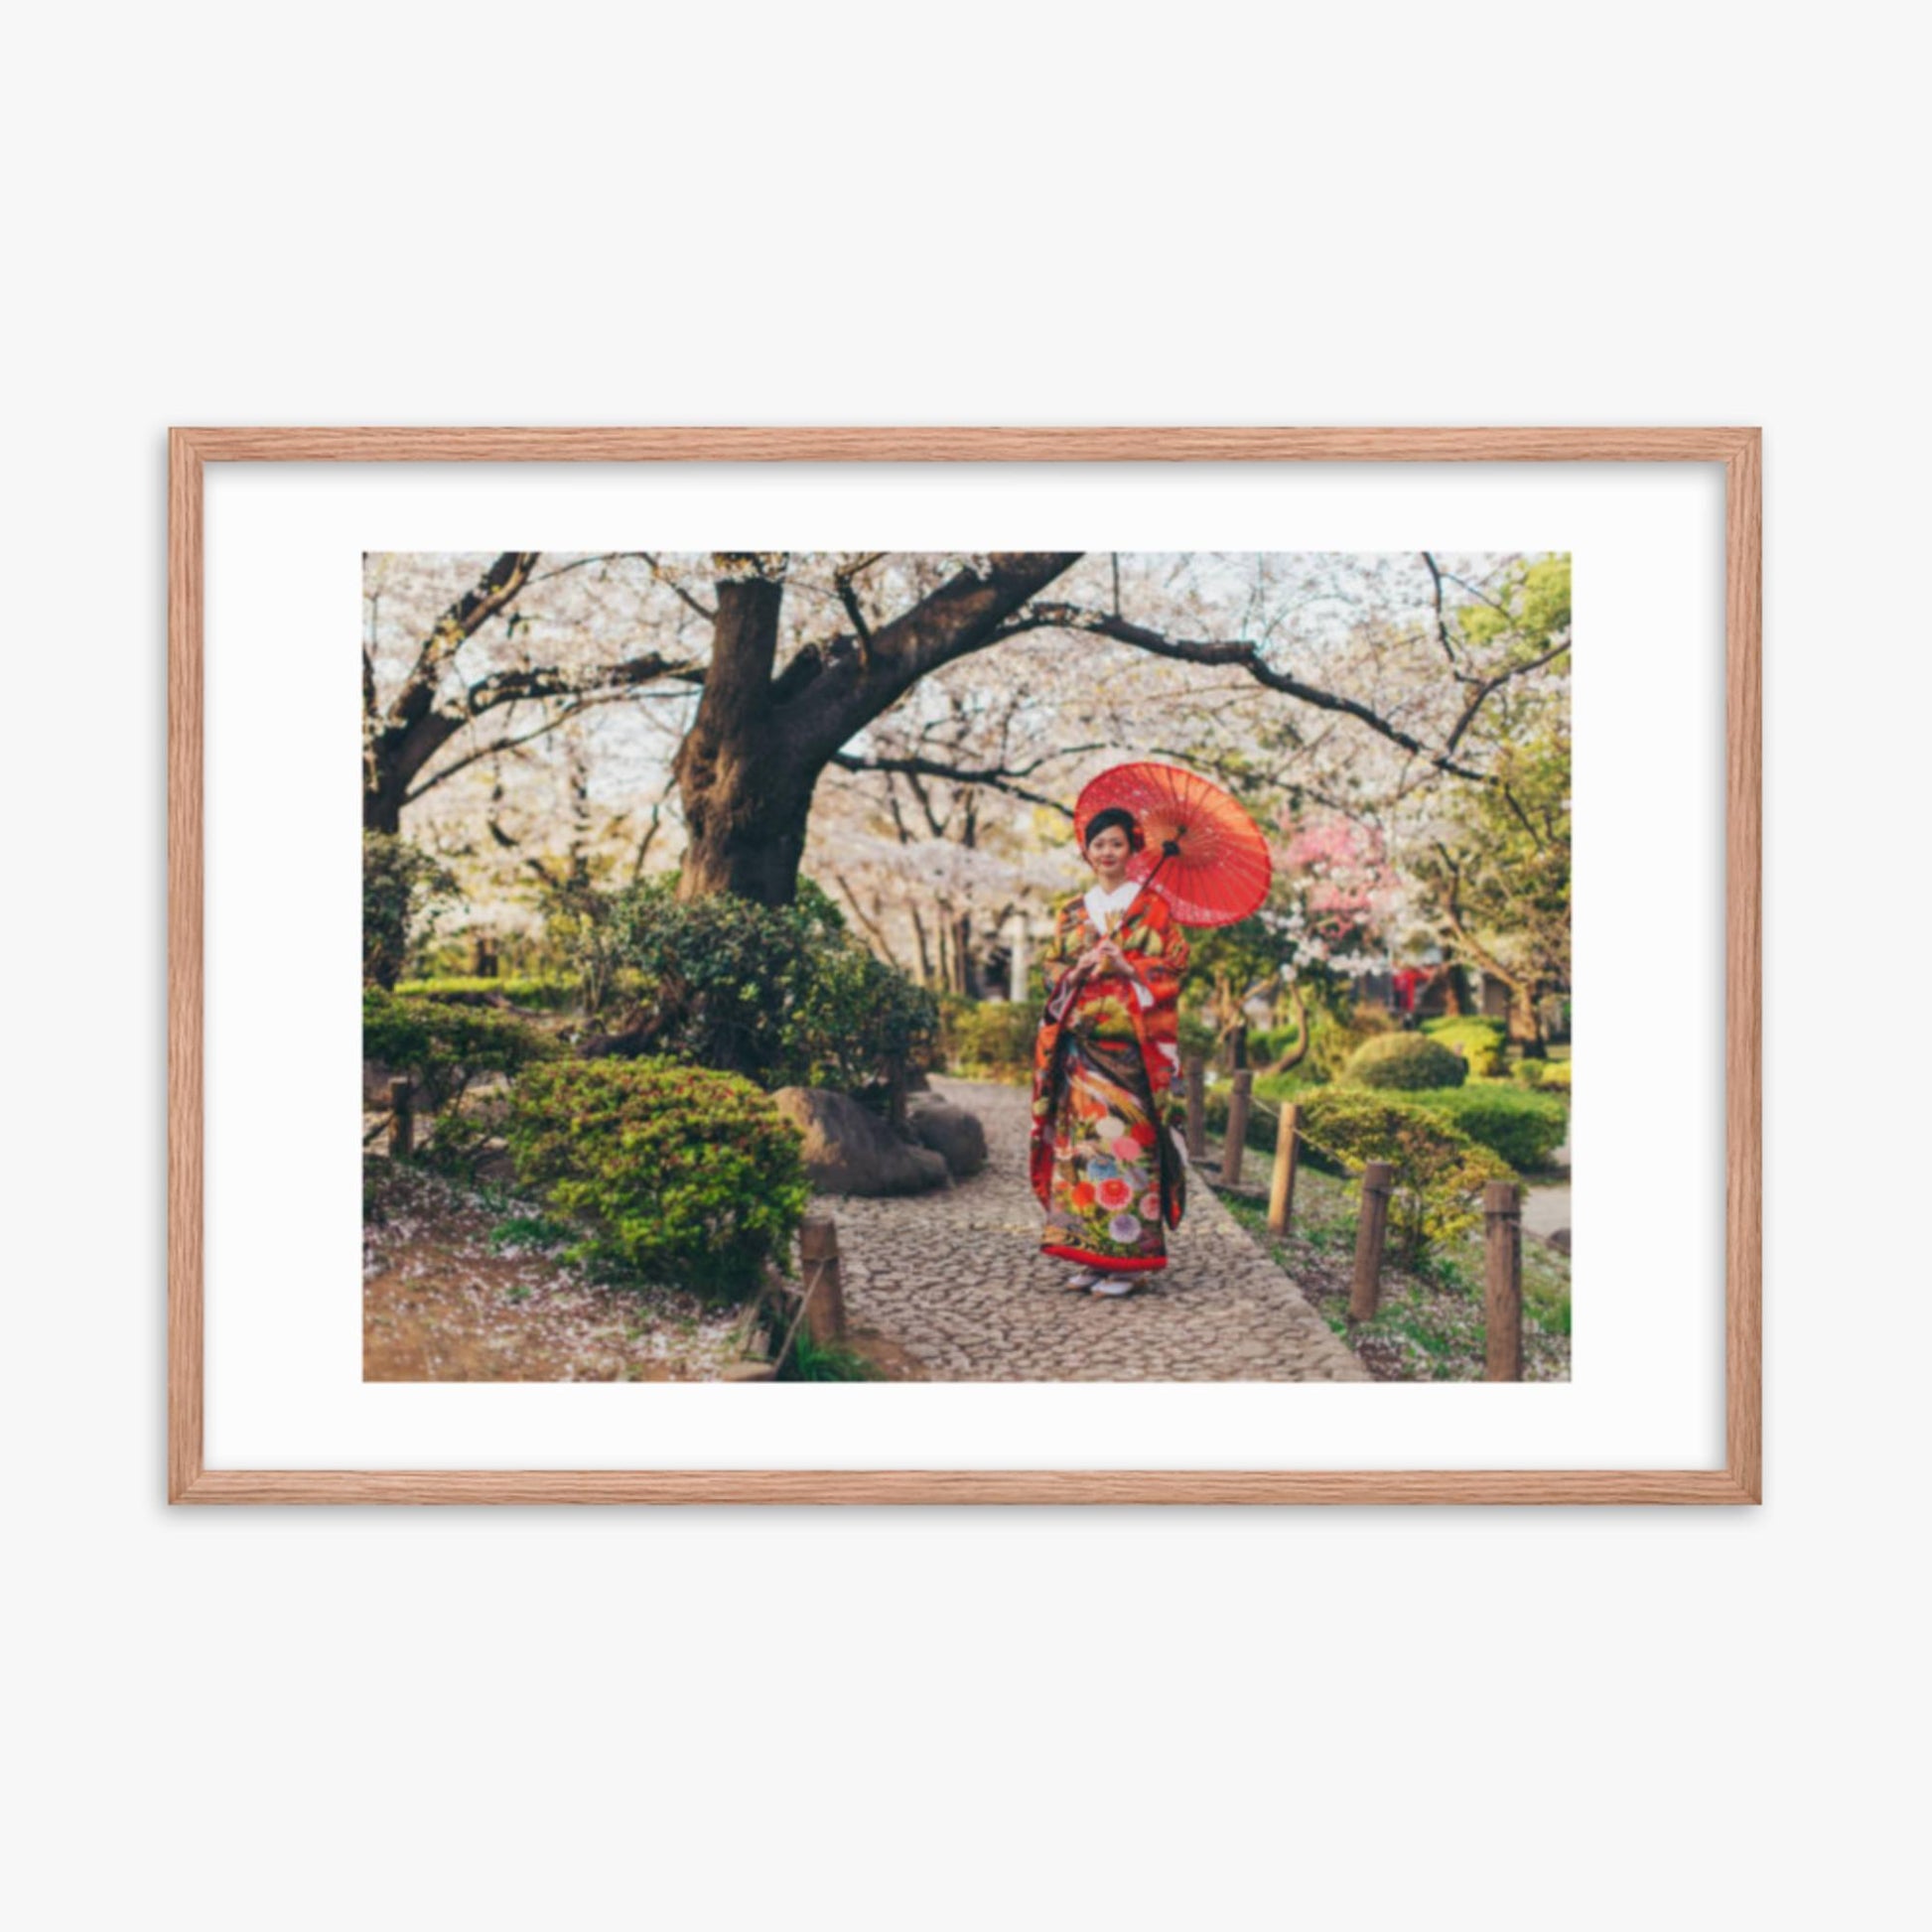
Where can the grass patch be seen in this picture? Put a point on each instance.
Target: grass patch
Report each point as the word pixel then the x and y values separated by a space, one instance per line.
pixel 1429 1326
pixel 831 1361
pixel 537 1231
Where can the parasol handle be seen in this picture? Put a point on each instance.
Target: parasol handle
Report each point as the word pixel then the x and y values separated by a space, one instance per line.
pixel 1170 849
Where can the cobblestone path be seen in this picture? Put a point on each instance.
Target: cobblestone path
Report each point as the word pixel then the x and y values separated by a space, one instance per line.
pixel 956 1277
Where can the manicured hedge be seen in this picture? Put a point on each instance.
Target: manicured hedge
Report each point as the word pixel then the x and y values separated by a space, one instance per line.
pixel 1542 1075
pixel 546 992
pixel 1526 1129
pixel 783 994
pixel 1481 1042
pixel 443 1046
pixel 1438 1170
pixel 1403 1060
pixel 987 1037
pixel 678 1174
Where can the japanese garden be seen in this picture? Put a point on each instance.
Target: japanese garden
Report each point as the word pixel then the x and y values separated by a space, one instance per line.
pixel 712 906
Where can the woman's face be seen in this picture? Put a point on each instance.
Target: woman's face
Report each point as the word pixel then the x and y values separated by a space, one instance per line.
pixel 1108 852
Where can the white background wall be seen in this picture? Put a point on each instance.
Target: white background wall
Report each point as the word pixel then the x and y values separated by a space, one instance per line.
pixel 1037 213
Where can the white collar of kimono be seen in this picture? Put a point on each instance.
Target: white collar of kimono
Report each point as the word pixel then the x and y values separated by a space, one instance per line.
pixel 1100 902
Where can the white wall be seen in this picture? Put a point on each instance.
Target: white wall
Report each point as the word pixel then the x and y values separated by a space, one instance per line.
pixel 839 213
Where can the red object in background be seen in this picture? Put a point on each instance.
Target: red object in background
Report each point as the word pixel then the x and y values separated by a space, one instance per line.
pixel 1206 855
pixel 1405 982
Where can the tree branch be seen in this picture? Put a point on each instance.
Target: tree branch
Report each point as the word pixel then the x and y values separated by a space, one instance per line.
pixel 1442 615
pixel 495 589
pixel 993 776
pixel 964 615
pixel 500 745
pixel 678 589
pixel 1453 911
pixel 1240 654
pixel 871 924
pixel 849 595
pixel 547 681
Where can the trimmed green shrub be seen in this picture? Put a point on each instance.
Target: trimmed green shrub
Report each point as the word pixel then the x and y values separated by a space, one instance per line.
pixel 987 1037
pixel 544 991
pixel 1193 1034
pixel 856 1019
pixel 1335 1041
pixel 454 1145
pixel 1334 1037
pixel 1403 1060
pixel 1267 1044
pixel 1526 1129
pixel 938 1052
pixel 444 1048
pixel 1542 1076
pixel 404 891
pixel 678 1174
pixel 782 994
pixel 1481 1042
pixel 1438 1170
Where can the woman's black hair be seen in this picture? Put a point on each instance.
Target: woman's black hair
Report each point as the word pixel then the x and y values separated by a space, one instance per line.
pixel 1114 816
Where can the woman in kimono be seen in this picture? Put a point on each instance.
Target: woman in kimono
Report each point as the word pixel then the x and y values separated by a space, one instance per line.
pixel 1106 1163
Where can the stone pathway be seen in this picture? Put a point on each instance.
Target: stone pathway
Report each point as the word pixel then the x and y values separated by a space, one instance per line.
pixel 1546 1208
pixel 956 1277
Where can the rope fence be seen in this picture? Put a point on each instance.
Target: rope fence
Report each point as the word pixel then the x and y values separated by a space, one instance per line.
pixel 820 1312
pixel 819 1300
pixel 1502 1208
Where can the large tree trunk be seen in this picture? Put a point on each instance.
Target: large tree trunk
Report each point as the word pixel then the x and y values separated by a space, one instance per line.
pixel 746 837
pixel 399 755
pixel 745 803
pixel 1526 1018
pixel 749 763
pixel 925 951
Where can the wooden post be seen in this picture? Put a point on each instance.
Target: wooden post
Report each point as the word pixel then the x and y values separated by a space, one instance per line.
pixel 1502 1301
pixel 402 1118
pixel 818 1260
pixel 1365 1292
pixel 1237 1137
pixel 1197 1108
pixel 1281 1188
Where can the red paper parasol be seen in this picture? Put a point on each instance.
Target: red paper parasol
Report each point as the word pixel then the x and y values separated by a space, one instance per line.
pixel 1210 857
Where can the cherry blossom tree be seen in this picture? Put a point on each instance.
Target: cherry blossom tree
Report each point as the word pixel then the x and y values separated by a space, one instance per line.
pixel 728 712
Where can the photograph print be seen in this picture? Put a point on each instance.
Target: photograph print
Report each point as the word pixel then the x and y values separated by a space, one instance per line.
pixel 1010 967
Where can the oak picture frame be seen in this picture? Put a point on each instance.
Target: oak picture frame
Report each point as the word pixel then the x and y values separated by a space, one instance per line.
pixel 1737 450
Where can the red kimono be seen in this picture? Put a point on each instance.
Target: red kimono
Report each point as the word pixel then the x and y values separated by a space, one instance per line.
pixel 1108 1090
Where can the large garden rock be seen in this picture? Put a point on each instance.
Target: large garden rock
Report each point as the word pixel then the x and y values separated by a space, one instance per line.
pixel 849 1149
pixel 950 1131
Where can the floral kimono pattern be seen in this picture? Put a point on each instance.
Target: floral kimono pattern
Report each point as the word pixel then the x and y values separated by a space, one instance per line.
pixel 1108 1091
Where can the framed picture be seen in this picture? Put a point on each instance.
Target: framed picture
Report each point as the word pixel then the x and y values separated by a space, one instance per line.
pixel 1043 970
